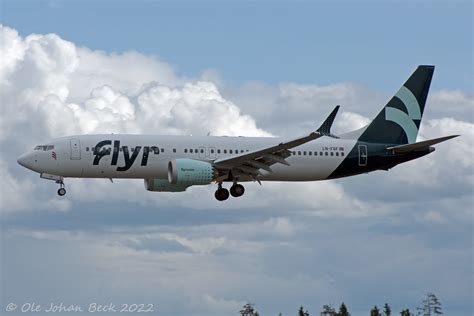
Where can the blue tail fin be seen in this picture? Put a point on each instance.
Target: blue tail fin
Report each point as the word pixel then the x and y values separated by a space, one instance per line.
pixel 400 119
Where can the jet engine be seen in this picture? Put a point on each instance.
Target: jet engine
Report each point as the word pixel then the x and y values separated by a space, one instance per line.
pixel 190 172
pixel 163 185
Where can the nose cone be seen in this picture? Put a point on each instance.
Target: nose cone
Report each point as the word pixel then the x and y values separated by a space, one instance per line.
pixel 27 160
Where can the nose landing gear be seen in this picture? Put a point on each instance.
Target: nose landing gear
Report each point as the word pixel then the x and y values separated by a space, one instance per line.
pixel 61 190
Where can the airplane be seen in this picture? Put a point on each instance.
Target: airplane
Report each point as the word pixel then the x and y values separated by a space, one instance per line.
pixel 175 163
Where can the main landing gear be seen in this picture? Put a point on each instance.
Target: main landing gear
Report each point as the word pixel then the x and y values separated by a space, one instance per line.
pixel 62 190
pixel 222 194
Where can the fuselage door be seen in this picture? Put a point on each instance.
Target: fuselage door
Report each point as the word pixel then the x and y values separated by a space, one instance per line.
pixel 362 155
pixel 75 149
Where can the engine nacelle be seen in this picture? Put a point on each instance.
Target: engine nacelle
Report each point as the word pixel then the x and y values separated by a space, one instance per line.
pixel 190 172
pixel 163 185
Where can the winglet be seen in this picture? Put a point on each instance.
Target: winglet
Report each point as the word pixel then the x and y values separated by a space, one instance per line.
pixel 325 128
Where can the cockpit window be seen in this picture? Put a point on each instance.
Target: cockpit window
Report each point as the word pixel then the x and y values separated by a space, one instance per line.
pixel 44 147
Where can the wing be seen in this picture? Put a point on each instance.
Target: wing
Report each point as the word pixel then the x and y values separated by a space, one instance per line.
pixel 250 163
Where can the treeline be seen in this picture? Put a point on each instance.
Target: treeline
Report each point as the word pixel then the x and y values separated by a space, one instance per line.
pixel 431 306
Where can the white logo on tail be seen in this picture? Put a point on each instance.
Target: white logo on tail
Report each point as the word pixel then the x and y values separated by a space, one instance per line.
pixel 405 121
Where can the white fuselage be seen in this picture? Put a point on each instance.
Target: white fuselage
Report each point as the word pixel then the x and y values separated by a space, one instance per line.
pixel 127 157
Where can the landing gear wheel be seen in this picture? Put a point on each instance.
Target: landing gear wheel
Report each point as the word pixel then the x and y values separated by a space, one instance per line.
pixel 61 191
pixel 221 194
pixel 237 190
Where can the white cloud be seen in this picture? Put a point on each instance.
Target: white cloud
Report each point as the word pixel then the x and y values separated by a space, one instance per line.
pixel 76 90
pixel 201 245
pixel 52 88
pixel 271 238
pixel 452 104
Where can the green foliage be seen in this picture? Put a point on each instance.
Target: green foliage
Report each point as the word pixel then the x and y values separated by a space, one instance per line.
pixel 328 310
pixel 301 312
pixel 375 311
pixel 343 310
pixel 405 312
pixel 431 306
pixel 248 310
pixel 386 310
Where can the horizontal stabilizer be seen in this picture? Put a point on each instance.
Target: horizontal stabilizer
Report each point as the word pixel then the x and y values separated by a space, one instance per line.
pixel 325 128
pixel 420 145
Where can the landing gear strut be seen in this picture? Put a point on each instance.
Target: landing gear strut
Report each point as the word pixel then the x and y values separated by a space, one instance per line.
pixel 221 194
pixel 62 190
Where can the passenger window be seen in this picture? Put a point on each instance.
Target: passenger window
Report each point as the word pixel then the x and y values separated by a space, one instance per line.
pixel 304 153
pixel 218 151
pixel 342 154
pixel 315 153
pixel 162 150
pixel 186 151
pixel 87 148
pixel 241 150
pixel 337 153
pixel 293 152
pixel 174 150
pixel 299 153
pixel 212 151
pixel 320 153
pixel 332 154
pixel 202 151
pixel 225 151
pixel 310 153
pixel 230 151
pixel 191 151
pixel 326 153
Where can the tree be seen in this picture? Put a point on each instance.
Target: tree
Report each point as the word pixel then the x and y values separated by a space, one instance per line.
pixel 386 310
pixel 328 310
pixel 405 312
pixel 248 310
pixel 301 312
pixel 343 310
pixel 375 311
pixel 431 306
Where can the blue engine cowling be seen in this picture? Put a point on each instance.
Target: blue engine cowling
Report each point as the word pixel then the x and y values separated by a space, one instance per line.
pixel 163 185
pixel 190 172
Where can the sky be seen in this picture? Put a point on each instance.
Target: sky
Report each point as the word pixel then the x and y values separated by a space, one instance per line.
pixel 235 68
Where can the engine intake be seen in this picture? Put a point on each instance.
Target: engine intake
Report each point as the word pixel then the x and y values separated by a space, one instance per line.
pixel 190 172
